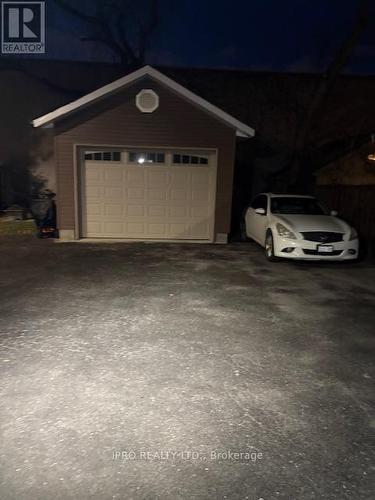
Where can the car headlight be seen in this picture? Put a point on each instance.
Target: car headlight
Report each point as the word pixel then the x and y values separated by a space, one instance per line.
pixel 285 232
pixel 353 235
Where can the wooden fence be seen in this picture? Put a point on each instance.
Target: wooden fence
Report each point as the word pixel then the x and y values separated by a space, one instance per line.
pixel 356 205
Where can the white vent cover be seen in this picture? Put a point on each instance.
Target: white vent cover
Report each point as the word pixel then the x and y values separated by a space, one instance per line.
pixel 147 101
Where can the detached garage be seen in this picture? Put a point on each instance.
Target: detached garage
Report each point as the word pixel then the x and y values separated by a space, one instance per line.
pixel 143 158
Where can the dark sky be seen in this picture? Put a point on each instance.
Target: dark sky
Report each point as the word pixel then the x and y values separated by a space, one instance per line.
pixel 278 35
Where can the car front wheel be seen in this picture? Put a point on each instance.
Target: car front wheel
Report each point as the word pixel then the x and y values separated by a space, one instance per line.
pixel 269 248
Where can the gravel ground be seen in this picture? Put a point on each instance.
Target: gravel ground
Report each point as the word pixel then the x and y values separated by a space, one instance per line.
pixel 160 371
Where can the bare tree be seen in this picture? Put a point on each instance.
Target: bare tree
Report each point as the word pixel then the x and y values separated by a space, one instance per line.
pixel 298 168
pixel 125 27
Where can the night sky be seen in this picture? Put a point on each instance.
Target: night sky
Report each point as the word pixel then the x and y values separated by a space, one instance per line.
pixel 271 35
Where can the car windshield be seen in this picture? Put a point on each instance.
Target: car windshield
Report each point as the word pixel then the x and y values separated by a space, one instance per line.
pixel 294 205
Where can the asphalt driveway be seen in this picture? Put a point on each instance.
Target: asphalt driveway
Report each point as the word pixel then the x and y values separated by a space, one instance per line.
pixel 182 371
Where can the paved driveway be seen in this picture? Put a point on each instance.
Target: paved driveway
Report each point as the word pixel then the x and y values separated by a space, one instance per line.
pixel 179 371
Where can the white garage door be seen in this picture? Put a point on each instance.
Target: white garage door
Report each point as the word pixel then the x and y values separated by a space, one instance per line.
pixel 148 195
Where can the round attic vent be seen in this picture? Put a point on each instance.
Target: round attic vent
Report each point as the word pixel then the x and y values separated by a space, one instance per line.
pixel 147 101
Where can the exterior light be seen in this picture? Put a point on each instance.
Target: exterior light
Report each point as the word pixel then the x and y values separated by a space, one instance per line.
pixel 371 157
pixel 141 159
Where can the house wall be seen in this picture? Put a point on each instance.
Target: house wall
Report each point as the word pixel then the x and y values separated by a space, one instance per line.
pixel 117 121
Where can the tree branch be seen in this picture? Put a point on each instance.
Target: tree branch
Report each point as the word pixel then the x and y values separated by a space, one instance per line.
pixel 105 41
pixel 110 27
pixel 76 12
pixel 129 53
pixel 336 66
pixel 148 29
pixel 325 83
pixel 344 52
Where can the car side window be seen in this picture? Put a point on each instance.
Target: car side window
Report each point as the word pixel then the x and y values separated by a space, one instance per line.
pixel 259 201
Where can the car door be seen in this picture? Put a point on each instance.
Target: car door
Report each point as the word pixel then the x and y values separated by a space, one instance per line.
pixel 256 223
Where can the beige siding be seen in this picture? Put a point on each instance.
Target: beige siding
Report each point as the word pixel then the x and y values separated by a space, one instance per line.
pixel 117 121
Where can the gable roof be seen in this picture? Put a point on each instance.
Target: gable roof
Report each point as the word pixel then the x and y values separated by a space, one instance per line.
pixel 242 130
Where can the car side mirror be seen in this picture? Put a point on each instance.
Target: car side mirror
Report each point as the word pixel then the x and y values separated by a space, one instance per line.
pixel 334 213
pixel 260 211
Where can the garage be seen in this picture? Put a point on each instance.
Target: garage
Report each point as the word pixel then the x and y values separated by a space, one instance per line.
pixel 154 194
pixel 144 158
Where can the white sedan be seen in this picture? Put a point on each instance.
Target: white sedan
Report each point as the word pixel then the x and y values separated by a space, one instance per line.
pixel 299 227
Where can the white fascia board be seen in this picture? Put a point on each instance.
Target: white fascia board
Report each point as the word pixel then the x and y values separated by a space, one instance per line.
pixel 242 130
pixel 88 98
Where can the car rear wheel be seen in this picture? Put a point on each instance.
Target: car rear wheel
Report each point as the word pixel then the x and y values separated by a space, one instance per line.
pixel 269 248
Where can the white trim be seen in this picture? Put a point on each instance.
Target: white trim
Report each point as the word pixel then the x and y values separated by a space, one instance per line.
pixel 242 130
pixel 77 160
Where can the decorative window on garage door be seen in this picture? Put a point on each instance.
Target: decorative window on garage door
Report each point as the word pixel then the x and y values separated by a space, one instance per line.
pixel 103 155
pixel 146 158
pixel 182 159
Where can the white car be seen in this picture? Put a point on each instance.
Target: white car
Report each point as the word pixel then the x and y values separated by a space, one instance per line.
pixel 299 227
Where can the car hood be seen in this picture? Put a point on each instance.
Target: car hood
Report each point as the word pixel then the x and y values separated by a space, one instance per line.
pixel 301 223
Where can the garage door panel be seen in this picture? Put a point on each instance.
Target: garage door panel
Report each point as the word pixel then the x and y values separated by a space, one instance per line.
pixel 135 228
pixel 135 194
pixel 94 209
pixel 135 201
pixel 113 228
pixel 200 228
pixel 179 194
pixel 93 192
pixel 157 229
pixel 200 212
pixel 181 211
pixel 112 193
pixel 181 231
pixel 158 194
pixel 157 211
pixel 114 210
pixel 113 175
pixel 135 178
pixel 94 227
pixel 136 210
pixel 179 179
pixel 94 174
pixel 158 177
pixel 200 179
pixel 199 196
